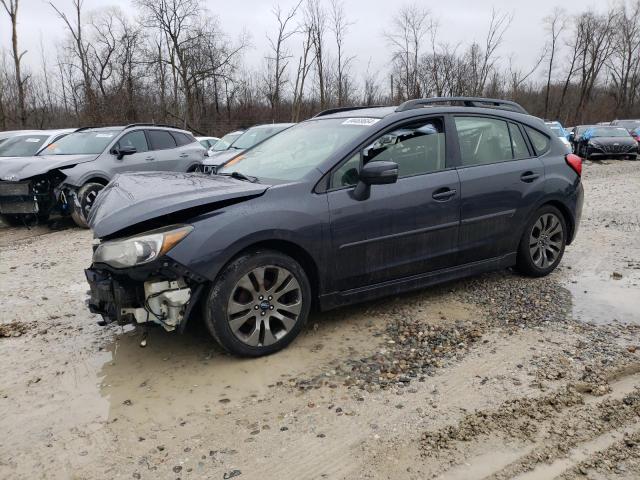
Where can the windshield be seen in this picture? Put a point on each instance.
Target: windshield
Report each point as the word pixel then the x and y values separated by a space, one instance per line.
pixel 225 142
pixel 294 153
pixel 255 135
pixel 81 143
pixel 628 124
pixel 607 132
pixel 23 146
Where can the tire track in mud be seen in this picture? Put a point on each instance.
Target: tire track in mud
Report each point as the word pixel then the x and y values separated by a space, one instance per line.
pixel 542 437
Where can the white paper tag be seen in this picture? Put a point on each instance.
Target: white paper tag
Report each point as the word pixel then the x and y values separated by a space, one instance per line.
pixel 33 140
pixel 363 122
pixel 104 135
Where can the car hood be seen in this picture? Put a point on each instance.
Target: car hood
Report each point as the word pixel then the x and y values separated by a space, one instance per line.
pixel 138 197
pixel 612 140
pixel 20 168
pixel 222 157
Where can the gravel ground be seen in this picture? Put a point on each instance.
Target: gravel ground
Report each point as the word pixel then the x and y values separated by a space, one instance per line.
pixel 497 376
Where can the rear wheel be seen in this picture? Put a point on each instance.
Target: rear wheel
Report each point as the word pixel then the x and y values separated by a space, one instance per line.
pixel 85 198
pixel 543 242
pixel 259 304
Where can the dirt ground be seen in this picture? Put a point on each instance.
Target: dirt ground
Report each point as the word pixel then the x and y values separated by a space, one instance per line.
pixel 494 377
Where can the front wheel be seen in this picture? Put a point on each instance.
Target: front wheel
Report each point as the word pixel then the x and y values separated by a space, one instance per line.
pixel 543 242
pixel 83 203
pixel 259 304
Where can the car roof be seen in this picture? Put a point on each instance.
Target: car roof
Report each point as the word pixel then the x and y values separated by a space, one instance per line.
pixel 271 125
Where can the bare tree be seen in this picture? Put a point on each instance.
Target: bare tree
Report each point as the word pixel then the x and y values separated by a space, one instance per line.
pixel 624 63
pixel 339 27
pixel 305 62
pixel 317 23
pixel 12 10
pixel 409 27
pixel 555 23
pixel 279 56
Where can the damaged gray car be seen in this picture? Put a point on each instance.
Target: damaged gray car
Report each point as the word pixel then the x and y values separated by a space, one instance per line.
pixel 68 174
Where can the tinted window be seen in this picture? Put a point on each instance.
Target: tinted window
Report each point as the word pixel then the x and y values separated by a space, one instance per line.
pixel 205 143
pixel 79 143
pixel 134 139
pixel 347 174
pixel 518 143
pixel 417 148
pixel 160 139
pixel 182 138
pixel 24 146
pixel 483 140
pixel 539 140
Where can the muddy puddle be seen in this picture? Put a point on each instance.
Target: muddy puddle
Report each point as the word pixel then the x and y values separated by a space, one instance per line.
pixel 606 297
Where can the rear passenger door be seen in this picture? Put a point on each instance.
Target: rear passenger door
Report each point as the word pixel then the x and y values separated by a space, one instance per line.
pixel 164 154
pixel 500 179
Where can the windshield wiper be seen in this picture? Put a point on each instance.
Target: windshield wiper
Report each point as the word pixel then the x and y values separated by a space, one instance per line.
pixel 240 176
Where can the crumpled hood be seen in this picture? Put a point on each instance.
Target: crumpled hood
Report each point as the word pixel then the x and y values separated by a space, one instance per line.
pixel 137 197
pixel 21 168
pixel 222 157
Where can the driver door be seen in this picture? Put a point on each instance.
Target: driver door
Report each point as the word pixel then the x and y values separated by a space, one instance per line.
pixel 402 229
pixel 138 161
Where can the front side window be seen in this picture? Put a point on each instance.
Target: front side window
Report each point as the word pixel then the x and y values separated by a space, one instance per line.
pixel 87 142
pixel 483 140
pixel 160 140
pixel 24 146
pixel 136 140
pixel 296 152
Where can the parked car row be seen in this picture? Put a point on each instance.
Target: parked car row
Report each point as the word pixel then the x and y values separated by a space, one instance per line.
pixel 617 139
pixel 350 205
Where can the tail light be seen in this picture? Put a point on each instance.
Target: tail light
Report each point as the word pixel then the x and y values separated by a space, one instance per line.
pixel 575 162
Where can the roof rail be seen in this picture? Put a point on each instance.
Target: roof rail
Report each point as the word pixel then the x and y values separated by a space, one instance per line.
pixel 131 125
pixel 344 109
pixel 478 102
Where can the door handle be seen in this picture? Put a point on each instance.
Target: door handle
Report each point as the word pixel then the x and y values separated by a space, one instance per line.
pixel 184 155
pixel 148 159
pixel 529 177
pixel 444 194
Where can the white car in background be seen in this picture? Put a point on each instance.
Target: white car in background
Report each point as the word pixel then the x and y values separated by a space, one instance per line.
pixel 28 144
pixel 12 133
pixel 208 142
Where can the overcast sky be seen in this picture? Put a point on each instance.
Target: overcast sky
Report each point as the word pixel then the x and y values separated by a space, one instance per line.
pixel 461 21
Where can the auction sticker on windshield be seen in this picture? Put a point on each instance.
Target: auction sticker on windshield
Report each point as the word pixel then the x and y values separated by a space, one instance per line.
pixel 363 122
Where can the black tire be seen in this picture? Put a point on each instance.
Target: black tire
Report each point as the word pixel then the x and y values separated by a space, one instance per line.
pixel 84 202
pixel 529 260
pixel 225 289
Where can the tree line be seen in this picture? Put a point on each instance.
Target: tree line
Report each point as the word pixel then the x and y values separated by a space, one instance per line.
pixel 172 62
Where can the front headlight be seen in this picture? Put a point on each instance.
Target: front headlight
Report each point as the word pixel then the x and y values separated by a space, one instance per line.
pixel 140 249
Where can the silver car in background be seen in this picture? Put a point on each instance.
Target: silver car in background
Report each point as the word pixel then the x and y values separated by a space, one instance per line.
pixel 66 176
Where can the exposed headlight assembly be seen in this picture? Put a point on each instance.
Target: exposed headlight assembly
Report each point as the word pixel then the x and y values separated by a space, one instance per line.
pixel 140 249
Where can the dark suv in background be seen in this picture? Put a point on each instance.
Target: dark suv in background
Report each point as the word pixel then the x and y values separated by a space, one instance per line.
pixel 353 204
pixel 68 174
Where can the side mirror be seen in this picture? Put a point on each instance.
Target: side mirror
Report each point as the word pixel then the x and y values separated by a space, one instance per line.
pixel 122 151
pixel 375 173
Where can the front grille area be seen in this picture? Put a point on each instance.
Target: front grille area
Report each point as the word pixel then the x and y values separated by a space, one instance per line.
pixel 14 189
pixel 616 148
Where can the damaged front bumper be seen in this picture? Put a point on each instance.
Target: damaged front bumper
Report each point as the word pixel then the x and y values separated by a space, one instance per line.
pixel 164 300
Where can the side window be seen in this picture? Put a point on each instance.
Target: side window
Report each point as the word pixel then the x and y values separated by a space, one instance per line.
pixel 483 140
pixel 519 146
pixel 539 140
pixel 417 148
pixel 181 138
pixel 160 140
pixel 134 139
pixel 347 174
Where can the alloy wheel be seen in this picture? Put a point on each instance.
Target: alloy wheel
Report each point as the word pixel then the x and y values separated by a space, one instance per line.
pixel 264 306
pixel 546 240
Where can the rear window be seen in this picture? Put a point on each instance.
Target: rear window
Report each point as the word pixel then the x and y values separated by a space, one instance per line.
pixel 182 138
pixel 160 140
pixel 24 146
pixel 539 140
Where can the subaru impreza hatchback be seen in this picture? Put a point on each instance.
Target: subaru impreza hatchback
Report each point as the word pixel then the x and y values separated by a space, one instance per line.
pixel 348 206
